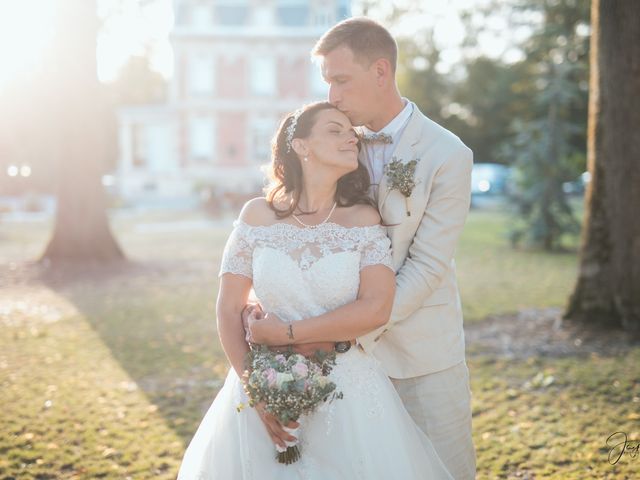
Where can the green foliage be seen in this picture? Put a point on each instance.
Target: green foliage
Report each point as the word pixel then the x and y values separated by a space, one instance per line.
pixel 488 104
pixel 138 83
pixel 289 384
pixel 418 78
pixel 542 214
pixel 546 142
pixel 477 107
pixel 530 113
pixel 481 96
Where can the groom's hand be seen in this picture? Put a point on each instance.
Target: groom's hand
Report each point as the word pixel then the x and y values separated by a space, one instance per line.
pixel 274 428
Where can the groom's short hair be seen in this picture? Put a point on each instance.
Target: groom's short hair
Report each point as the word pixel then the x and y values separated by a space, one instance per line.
pixel 367 39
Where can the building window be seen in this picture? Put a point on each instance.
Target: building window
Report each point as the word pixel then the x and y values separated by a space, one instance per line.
pixel 232 13
pixel 201 139
pixel 319 88
pixel 293 13
pixel 182 14
pixel 201 74
pixel 262 132
pixel 202 16
pixel 323 17
pixel 344 10
pixel 263 76
pixel 262 15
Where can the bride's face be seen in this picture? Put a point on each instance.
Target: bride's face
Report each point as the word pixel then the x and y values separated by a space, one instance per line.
pixel 332 142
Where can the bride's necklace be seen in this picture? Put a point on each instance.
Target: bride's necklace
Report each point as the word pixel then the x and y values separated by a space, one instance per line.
pixel 295 217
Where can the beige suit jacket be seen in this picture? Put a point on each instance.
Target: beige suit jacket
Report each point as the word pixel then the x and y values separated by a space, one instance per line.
pixel 424 334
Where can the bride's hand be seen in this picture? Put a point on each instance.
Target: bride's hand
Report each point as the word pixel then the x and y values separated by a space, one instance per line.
pixel 246 311
pixel 278 435
pixel 267 329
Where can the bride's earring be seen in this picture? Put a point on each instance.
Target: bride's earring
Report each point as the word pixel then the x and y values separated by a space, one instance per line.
pixel 306 159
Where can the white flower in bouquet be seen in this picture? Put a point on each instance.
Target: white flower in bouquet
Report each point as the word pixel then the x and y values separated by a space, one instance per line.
pixel 282 379
pixel 289 385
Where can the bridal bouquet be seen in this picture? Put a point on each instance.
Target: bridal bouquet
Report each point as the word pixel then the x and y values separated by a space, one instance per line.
pixel 289 385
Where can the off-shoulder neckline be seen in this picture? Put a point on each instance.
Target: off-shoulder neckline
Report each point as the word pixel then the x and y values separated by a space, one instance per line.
pixel 314 228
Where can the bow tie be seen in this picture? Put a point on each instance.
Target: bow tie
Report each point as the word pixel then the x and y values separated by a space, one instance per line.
pixel 377 138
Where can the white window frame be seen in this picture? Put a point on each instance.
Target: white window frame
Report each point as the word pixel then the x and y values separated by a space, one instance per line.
pixel 262 131
pixel 201 74
pixel 318 88
pixel 202 16
pixel 202 141
pixel 263 76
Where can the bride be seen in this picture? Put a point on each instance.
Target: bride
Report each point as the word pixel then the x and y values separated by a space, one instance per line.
pixel 319 262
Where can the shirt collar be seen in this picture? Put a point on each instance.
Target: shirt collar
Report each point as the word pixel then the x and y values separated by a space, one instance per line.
pixel 397 123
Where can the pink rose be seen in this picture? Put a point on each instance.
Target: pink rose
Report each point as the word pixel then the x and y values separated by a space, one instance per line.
pixel 280 359
pixel 300 370
pixel 270 375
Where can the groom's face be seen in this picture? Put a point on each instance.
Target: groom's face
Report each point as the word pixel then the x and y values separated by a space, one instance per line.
pixel 352 85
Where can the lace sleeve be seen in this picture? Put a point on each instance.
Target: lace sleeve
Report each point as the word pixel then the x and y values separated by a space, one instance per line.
pixel 376 248
pixel 238 252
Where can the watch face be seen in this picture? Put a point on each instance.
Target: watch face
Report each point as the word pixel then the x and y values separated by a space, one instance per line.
pixel 342 347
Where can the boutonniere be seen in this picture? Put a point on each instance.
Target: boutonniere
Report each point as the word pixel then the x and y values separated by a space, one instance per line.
pixel 400 176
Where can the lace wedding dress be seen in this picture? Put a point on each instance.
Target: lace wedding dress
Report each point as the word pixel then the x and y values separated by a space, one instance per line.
pixel 297 273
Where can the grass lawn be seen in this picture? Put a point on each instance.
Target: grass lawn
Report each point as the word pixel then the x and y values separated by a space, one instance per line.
pixel 494 278
pixel 107 375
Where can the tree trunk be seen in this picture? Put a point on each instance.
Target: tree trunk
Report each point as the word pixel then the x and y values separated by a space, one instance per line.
pixel 79 107
pixel 608 286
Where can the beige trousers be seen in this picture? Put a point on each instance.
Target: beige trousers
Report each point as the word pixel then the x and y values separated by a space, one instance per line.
pixel 440 403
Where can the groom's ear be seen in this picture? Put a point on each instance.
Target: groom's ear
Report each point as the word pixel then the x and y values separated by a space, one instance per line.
pixel 383 71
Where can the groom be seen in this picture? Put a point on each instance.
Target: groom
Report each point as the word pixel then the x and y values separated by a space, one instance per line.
pixel 422 346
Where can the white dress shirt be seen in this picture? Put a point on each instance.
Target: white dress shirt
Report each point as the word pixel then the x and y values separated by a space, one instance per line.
pixel 379 154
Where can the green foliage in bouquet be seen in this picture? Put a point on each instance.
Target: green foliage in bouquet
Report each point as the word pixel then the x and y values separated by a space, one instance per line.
pixel 289 385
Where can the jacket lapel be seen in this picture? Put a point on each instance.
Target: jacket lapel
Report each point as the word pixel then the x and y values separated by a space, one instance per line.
pixel 404 151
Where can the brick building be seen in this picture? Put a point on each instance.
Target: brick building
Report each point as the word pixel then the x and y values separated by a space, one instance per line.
pixel 240 65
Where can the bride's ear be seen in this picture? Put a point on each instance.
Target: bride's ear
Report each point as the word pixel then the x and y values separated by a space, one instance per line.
pixel 299 146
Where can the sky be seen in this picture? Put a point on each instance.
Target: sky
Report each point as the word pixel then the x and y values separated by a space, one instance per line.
pixel 131 29
pixel 23 36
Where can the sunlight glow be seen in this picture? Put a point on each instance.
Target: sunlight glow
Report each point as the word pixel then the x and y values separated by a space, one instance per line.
pixel 26 27
pixel 484 185
pixel 449 30
pixel 134 29
pixel 131 27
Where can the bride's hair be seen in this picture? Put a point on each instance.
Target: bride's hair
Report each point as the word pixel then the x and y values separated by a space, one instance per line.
pixel 286 170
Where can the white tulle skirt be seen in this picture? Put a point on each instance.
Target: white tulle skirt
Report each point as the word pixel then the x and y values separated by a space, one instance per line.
pixel 368 434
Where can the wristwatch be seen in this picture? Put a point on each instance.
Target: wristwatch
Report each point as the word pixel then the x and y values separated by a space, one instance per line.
pixel 342 347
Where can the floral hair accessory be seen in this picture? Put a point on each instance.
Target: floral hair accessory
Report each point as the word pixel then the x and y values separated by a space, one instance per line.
pixel 291 129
